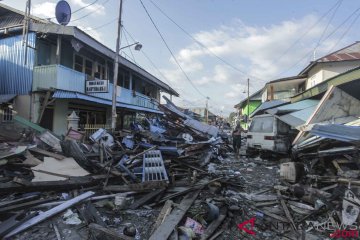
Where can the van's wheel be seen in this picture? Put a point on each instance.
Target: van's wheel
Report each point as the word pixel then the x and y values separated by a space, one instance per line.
pixel 264 155
pixel 251 153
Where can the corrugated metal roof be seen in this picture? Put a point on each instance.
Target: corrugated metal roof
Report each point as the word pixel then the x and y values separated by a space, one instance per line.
pixel 4 98
pixel 74 95
pixel 16 77
pixel 351 52
pixel 298 118
pixel 348 53
pixel 267 105
pixel 337 132
pixel 9 20
pixel 10 17
pixel 293 107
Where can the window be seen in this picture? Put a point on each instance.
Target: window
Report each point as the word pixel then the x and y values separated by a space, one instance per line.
pixel 7 115
pixel 262 124
pixel 100 72
pixel 88 67
pixel 79 63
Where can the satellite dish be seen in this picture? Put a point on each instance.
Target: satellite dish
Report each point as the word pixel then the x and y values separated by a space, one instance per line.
pixel 63 12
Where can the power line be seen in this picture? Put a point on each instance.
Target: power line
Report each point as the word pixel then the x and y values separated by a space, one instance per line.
pixel 78 10
pixel 147 57
pixel 327 37
pixel 103 25
pixel 88 14
pixel 327 26
pixel 304 34
pixel 172 54
pixel 345 32
pixel 201 44
pixel 127 42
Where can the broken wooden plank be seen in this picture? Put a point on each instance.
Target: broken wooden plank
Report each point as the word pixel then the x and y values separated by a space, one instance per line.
pixel 166 228
pixel 217 234
pixel 73 182
pixel 19 200
pixel 268 203
pixel 47 153
pixel 287 212
pixel 25 205
pixel 31 160
pixel 51 212
pixel 146 198
pixel 111 234
pixel 212 227
pixel 162 215
pixel 139 187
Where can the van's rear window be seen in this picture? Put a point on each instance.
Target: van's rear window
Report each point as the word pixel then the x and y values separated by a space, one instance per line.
pixel 262 124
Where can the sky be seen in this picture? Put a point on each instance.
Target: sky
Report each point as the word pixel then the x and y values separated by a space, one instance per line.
pixel 218 44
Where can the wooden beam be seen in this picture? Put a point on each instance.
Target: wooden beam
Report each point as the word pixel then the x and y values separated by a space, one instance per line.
pixel 146 198
pixel 47 153
pixel 108 232
pixel 212 227
pixel 287 212
pixel 166 228
pixel 43 107
pixel 73 182
pixel 162 215
pixel 48 214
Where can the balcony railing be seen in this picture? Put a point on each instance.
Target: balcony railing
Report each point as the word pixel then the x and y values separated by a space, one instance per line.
pixel 58 77
pixel 63 78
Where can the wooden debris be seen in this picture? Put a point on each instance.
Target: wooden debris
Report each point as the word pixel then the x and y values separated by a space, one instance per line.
pixel 47 153
pixel 172 220
pixel 45 215
pixel 146 198
pixel 212 227
pixel 163 214
pixel 108 232
pixel 287 212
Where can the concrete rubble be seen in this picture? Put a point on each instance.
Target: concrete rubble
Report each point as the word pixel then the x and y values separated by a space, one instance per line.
pixel 174 178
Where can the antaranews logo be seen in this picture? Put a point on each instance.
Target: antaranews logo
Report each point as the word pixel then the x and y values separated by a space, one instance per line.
pixel 337 230
pixel 242 225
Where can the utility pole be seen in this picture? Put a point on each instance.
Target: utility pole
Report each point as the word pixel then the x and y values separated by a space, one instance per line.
pixel 26 29
pixel 116 65
pixel 207 110
pixel 248 102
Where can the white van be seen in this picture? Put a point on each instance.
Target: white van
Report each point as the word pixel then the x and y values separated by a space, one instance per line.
pixel 268 134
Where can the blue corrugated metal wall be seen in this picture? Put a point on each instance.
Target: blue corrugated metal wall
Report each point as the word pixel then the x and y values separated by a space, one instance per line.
pixel 15 76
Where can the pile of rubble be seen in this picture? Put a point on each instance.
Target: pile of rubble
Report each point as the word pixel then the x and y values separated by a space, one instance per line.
pixel 159 181
pixel 175 178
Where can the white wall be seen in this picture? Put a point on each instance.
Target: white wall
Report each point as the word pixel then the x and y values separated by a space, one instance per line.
pixel 60 116
pixel 22 105
pixel 324 71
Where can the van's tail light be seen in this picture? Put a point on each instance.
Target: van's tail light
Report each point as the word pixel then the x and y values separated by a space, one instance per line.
pixel 249 136
pixel 269 137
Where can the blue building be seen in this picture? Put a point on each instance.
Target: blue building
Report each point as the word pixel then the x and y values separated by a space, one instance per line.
pixel 61 69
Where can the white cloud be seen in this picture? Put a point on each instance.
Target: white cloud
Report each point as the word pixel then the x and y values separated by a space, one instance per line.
pixel 46 9
pixel 93 33
pixel 97 8
pixel 259 51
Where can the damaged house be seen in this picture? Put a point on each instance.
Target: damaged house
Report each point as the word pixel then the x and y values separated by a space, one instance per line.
pixel 62 69
pixel 295 100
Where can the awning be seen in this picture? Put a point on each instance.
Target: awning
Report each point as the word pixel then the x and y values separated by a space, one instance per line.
pixel 297 118
pixel 60 94
pixel 4 98
pixel 292 107
pixel 267 105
